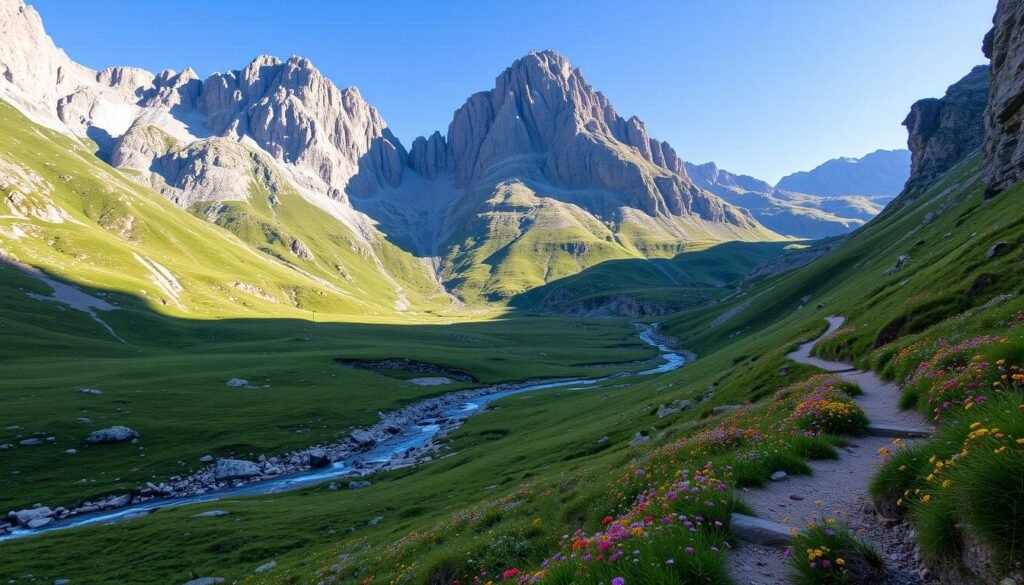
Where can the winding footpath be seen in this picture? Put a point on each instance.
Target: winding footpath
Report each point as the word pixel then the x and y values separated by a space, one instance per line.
pixel 837 488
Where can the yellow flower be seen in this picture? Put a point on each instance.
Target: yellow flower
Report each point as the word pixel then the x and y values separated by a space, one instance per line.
pixel 975 425
pixel 840 561
pixel 1020 441
pixel 927 498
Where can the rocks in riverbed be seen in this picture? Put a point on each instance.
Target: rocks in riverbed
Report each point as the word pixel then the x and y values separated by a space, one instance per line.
pixel 24 517
pixel 318 458
pixel 228 469
pixel 363 438
pixel 114 434
pixel 237 383
pixel 38 522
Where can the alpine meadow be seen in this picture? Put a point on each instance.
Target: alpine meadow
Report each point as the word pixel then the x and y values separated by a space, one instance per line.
pixel 249 336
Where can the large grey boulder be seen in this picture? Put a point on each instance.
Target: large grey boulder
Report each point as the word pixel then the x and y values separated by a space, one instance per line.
pixel 228 469
pixel 23 517
pixel 114 434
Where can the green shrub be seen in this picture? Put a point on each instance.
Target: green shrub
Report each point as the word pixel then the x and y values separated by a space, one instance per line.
pixel 826 554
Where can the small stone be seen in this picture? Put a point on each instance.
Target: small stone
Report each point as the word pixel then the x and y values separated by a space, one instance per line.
pixel 211 514
pixel 206 459
pixel 265 567
pixel 30 442
pixel 358 485
pixel 205 581
pixel 71 451
pixel 237 383
pixel 795 497
pixel 778 476
pixel 334 486
pixel 115 434
pixel 61 581
pixel 375 521
pixel 92 391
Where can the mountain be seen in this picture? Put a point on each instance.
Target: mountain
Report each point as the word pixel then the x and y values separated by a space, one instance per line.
pixel 882 172
pixel 942 131
pixel 797 215
pixel 536 179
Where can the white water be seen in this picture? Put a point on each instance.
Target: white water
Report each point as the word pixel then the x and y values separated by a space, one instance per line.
pixel 392 448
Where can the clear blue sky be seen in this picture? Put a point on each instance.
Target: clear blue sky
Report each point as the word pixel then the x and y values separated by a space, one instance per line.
pixel 761 87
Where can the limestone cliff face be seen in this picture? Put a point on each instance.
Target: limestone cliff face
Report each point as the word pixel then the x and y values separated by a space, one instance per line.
pixel 1004 116
pixel 324 135
pixel 943 131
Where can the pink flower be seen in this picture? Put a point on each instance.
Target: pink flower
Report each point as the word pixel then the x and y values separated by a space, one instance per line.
pixel 618 581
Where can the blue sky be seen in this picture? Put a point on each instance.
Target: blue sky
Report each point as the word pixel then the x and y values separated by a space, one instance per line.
pixel 761 87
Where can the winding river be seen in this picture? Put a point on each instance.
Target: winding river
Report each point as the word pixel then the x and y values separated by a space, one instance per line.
pixel 414 436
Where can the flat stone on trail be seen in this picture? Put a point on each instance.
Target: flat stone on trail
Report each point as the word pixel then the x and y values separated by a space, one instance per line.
pixel 115 434
pixel 758 531
pixel 211 514
pixel 896 432
pixel 778 476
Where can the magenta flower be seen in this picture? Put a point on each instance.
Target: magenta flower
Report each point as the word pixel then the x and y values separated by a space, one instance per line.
pixel 618 581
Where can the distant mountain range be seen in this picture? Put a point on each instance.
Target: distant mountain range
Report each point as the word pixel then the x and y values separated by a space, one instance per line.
pixel 831 199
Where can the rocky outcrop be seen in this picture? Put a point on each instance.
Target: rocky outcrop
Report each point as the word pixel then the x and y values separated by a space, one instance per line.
pixel 882 172
pixel 944 131
pixel 1004 152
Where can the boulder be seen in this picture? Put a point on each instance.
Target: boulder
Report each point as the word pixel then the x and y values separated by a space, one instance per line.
pixel 115 434
pixel 228 469
pixel 638 439
pixel 38 522
pixel 318 458
pixel 363 438
pixel 997 249
pixel 23 517
pixel 674 408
